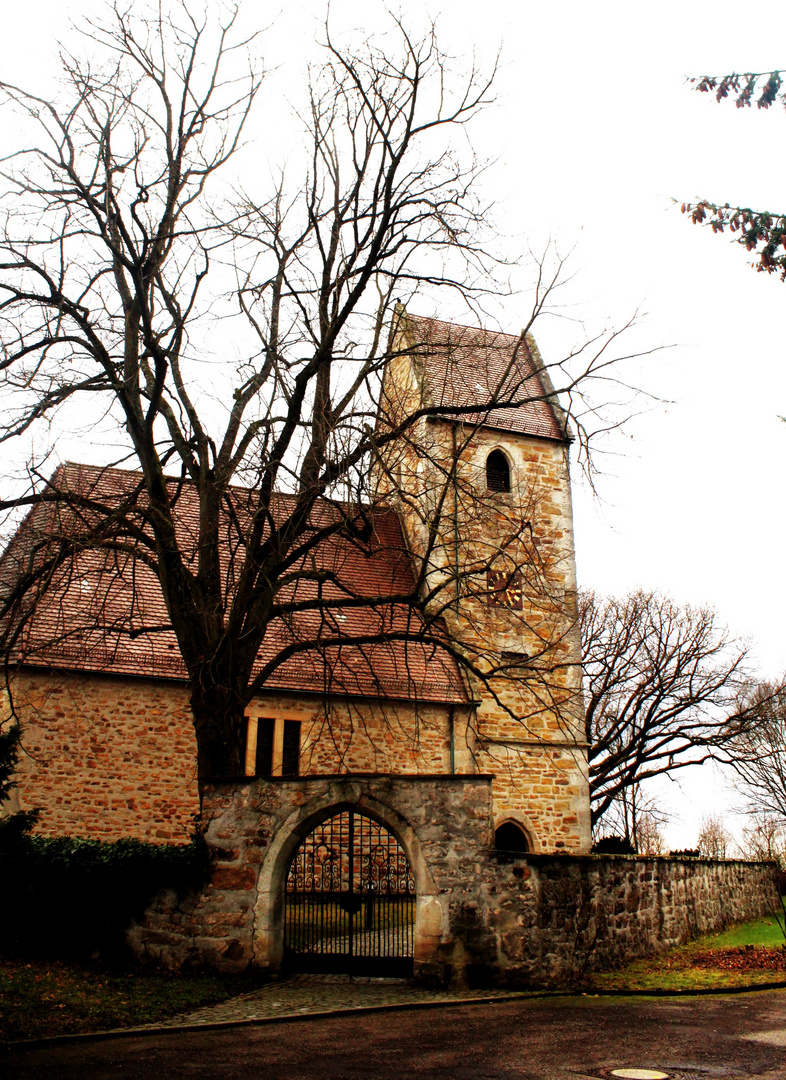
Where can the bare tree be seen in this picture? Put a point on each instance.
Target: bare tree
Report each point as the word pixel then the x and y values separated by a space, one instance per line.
pixel 635 817
pixel 649 833
pixel 758 754
pixel 764 839
pixel 661 690
pixel 115 229
pixel 714 838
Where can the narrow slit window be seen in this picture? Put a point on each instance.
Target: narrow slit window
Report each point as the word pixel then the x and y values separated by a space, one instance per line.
pixel 497 472
pixel 290 758
pixel 265 738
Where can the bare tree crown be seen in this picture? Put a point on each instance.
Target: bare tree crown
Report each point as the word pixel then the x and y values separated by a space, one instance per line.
pixel 121 240
pixel 662 686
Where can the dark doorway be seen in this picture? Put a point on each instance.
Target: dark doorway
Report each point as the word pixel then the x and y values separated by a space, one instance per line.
pixel 511 837
pixel 350 901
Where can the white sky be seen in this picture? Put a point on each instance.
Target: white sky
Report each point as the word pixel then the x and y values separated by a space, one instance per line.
pixel 594 132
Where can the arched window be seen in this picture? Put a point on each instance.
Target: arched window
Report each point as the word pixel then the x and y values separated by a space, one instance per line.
pixel 497 472
pixel 510 837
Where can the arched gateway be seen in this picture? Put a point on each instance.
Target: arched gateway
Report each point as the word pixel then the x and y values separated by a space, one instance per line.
pixel 350 901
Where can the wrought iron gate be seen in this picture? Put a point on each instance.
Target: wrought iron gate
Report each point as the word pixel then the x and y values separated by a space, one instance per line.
pixel 350 901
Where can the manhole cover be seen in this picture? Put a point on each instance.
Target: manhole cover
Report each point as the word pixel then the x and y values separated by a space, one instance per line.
pixel 639 1074
pixel 777 1037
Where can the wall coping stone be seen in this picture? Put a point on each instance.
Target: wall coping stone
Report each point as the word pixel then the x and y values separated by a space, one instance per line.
pixel 405 778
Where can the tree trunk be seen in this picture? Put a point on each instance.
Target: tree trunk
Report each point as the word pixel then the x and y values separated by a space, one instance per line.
pixel 218 713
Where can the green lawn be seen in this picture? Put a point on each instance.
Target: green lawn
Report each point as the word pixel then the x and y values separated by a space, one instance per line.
pixel 41 999
pixel 767 931
pixel 677 970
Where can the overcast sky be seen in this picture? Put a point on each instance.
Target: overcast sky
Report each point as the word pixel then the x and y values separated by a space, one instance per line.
pixel 594 133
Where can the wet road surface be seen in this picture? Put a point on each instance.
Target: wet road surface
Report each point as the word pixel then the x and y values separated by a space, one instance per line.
pixel 699 1038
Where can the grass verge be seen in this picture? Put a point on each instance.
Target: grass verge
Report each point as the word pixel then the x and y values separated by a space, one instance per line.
pixel 40 999
pixel 690 967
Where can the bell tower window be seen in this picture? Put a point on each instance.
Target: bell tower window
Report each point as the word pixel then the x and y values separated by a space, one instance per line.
pixel 497 472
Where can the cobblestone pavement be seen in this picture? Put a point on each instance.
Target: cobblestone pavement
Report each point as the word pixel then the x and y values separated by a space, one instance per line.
pixel 305 995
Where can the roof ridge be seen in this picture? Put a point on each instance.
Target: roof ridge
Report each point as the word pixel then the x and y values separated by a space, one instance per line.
pixel 522 335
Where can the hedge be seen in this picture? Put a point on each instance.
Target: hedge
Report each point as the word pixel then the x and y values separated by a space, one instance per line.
pixel 70 898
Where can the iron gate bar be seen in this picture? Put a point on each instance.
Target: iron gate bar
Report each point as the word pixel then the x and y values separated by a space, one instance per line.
pixel 351 880
pixel 349 900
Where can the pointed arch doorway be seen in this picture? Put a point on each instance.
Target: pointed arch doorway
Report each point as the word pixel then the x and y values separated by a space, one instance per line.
pixel 349 901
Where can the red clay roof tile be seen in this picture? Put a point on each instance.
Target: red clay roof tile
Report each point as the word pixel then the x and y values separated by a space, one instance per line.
pixel 464 365
pixel 85 622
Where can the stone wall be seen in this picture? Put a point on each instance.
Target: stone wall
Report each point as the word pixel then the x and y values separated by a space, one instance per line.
pixel 543 788
pixel 482 917
pixel 109 757
pixel 529 722
pixel 444 824
pixel 106 757
pixel 553 918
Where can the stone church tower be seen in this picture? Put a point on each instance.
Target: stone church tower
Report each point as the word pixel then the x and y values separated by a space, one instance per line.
pixel 483 492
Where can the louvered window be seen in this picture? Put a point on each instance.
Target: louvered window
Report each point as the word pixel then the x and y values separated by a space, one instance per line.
pixel 497 472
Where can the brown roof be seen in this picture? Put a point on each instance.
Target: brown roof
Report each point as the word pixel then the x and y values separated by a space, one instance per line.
pixel 464 366
pixel 99 597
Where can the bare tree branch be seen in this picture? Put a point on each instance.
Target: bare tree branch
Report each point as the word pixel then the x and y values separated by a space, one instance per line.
pixel 661 690
pixel 117 251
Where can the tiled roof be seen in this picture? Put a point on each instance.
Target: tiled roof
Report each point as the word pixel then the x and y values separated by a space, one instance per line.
pixel 464 366
pixel 83 621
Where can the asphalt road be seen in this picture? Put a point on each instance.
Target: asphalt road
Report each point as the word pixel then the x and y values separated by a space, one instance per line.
pixel 561 1038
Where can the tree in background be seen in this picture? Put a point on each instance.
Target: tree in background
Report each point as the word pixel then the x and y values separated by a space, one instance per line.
pixel 635 818
pixel 762 232
pixel 757 754
pixel 764 839
pixel 715 840
pixel 649 833
pixel 661 691
pixel 13 824
pixel 120 254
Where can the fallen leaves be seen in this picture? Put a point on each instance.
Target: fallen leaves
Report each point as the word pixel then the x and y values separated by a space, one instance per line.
pixel 743 958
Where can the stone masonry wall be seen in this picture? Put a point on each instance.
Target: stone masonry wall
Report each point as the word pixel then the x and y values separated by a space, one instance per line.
pixel 373 736
pixel 554 918
pixel 444 824
pixel 528 726
pixel 543 789
pixel 481 918
pixel 108 757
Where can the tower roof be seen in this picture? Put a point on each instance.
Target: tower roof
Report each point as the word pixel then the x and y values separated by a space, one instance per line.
pixel 502 374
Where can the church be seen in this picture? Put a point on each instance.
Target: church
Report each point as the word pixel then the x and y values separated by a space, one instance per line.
pixel 378 750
